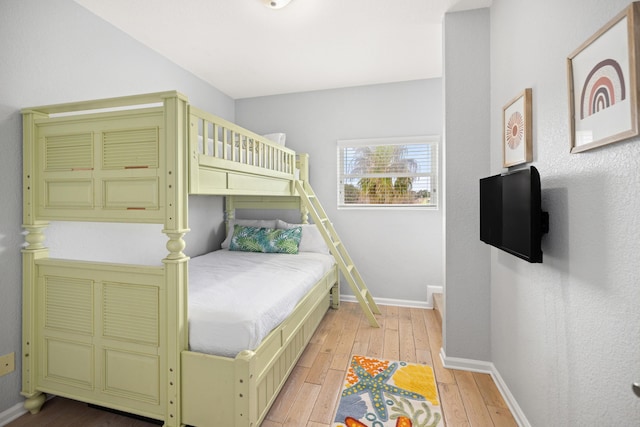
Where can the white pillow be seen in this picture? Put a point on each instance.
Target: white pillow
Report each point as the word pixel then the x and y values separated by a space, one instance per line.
pixel 278 138
pixel 311 241
pixel 265 223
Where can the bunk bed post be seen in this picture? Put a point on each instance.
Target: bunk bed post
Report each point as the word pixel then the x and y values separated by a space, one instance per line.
pixel 194 129
pixel 176 122
pixel 304 214
pixel 33 251
pixel 246 401
pixel 229 212
pixel 302 164
pixel 302 161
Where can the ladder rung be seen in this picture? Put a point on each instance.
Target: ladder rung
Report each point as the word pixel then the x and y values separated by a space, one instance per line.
pixel 350 267
pixel 364 293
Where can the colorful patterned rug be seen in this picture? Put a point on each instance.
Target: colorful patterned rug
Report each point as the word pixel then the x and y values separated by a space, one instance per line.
pixel 383 393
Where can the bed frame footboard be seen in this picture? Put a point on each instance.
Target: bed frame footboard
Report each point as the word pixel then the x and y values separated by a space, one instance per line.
pixel 101 333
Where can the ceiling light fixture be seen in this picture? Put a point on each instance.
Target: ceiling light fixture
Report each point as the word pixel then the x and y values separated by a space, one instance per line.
pixel 276 4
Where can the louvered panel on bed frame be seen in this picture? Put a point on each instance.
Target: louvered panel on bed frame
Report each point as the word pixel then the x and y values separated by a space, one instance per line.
pixel 116 335
pixel 101 334
pixel 108 169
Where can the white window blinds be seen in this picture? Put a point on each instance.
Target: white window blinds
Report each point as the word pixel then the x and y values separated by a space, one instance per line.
pixel 389 172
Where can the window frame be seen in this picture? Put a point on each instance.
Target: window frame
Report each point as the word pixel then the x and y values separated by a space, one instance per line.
pixel 431 140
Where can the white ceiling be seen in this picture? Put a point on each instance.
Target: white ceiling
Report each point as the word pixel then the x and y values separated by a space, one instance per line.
pixel 245 49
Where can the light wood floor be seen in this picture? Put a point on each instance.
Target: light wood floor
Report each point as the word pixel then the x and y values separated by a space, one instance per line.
pixel 309 397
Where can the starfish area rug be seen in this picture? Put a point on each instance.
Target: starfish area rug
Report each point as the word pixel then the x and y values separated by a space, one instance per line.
pixel 384 393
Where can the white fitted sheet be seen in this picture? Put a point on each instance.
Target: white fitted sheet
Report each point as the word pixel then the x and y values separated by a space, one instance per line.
pixel 237 298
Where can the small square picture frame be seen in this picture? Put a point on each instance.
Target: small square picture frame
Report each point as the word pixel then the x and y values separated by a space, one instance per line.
pixel 517 145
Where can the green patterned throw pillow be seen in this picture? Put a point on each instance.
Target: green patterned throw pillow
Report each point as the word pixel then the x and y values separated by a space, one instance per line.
pixel 267 240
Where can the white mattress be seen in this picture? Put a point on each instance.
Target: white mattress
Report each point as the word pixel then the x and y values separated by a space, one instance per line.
pixel 237 298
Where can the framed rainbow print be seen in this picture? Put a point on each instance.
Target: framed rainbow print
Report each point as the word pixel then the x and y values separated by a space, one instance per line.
pixel 516 130
pixel 603 78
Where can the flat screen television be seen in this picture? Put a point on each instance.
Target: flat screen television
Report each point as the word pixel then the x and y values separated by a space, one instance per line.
pixel 511 216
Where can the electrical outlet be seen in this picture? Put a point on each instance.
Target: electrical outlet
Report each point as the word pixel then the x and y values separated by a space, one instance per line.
pixel 7 364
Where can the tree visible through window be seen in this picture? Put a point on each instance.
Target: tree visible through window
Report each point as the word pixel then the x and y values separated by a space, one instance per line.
pixel 400 172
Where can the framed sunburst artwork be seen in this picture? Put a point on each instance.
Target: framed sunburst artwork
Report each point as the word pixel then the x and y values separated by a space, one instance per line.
pixel 516 130
pixel 603 75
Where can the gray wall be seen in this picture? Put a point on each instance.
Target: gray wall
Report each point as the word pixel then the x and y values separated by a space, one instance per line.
pixel 56 51
pixel 565 334
pixel 466 327
pixel 398 252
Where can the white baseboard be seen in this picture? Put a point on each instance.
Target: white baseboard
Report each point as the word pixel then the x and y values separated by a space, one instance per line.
pixel 390 301
pixel 488 368
pixel 430 291
pixel 16 411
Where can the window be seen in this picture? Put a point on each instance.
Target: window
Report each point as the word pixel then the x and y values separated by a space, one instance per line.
pixel 389 172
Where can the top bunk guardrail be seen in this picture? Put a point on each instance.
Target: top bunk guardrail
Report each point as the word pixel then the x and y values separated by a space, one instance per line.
pixel 214 139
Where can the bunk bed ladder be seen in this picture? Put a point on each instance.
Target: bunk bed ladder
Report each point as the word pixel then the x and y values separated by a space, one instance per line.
pixel 339 252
